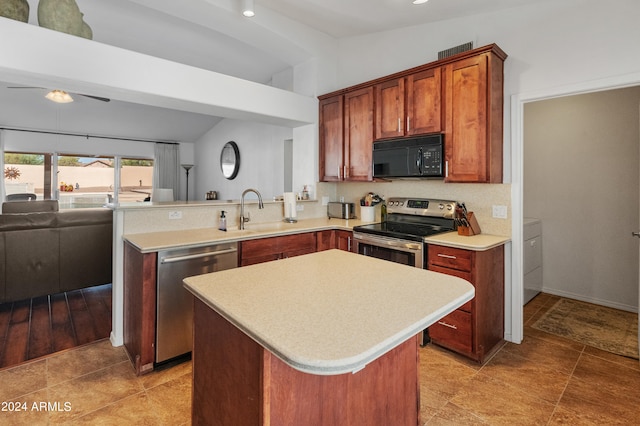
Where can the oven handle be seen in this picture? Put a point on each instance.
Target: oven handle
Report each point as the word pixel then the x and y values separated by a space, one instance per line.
pixel 402 245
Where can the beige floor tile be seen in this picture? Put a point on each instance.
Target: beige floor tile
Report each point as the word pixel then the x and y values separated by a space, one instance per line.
pixel 441 372
pixel 27 410
pixel 83 360
pixel 554 356
pixel 171 401
pixel 531 377
pixel 452 415
pixel 165 374
pixel 95 390
pixel 134 410
pixel 497 403
pixel 570 418
pixel 23 379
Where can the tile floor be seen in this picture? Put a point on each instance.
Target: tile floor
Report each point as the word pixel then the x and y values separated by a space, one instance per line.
pixel 546 380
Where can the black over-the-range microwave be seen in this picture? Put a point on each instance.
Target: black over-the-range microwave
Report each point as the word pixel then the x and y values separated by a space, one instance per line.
pixel 410 157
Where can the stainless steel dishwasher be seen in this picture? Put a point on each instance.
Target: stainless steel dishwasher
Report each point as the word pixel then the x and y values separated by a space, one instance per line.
pixel 174 316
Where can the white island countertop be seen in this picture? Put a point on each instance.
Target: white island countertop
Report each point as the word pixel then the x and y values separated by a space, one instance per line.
pixel 330 312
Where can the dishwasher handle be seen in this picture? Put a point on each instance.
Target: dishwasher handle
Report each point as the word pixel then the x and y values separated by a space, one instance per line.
pixel 173 259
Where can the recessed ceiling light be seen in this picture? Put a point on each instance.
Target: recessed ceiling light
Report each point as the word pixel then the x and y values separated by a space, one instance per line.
pixel 247 8
pixel 419 1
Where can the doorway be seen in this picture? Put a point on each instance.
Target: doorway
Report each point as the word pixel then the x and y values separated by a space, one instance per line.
pixel 518 101
pixel 581 156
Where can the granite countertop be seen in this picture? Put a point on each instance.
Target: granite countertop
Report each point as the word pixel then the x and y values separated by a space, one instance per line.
pixel 155 241
pixel 330 312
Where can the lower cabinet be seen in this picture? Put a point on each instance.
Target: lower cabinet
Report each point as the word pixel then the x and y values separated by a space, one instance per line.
pixel 475 329
pixel 273 248
pixel 334 239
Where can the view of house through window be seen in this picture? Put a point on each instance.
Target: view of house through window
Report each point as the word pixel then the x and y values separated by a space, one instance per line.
pixel 80 182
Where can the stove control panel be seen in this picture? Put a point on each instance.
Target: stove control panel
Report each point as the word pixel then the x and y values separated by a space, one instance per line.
pixel 421 207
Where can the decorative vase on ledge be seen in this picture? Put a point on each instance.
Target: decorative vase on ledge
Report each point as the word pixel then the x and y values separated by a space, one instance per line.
pixel 63 16
pixel 15 9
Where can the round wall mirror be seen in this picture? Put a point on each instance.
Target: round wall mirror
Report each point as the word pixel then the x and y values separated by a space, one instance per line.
pixel 230 160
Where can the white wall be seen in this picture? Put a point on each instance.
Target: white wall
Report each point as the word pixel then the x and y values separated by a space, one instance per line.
pixel 551 47
pixel 581 174
pixel 261 159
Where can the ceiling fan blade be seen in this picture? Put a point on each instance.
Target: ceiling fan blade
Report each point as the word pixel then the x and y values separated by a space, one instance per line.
pixel 97 98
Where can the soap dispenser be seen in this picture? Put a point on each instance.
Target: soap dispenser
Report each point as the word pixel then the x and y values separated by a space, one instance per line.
pixel 223 222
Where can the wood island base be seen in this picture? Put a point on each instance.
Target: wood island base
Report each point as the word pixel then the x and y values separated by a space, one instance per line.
pixel 236 381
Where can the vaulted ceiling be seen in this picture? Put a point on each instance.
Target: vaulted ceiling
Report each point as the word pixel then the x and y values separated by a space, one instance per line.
pixel 212 34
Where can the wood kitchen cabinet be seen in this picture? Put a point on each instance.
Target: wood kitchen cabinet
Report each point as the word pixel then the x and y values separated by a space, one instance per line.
pixel 139 296
pixel 334 239
pixel 273 248
pixel 409 106
pixel 473 99
pixel 346 136
pixel 460 96
pixel 476 329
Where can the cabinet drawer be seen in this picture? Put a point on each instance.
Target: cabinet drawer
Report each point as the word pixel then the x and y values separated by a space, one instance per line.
pixel 467 307
pixel 453 331
pixel 449 257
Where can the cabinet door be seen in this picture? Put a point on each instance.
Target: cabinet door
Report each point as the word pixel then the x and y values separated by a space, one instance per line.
pixel 390 114
pixel 473 127
pixel 423 102
pixel 344 240
pixel 454 331
pixel 331 139
pixel 298 244
pixel 325 240
pixel 358 134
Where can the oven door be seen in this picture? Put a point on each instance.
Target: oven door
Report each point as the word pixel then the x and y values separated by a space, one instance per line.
pixel 396 250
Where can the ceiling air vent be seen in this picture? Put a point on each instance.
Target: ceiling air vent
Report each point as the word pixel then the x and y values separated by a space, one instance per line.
pixel 455 50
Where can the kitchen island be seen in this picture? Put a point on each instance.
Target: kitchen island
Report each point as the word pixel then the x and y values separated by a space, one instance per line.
pixel 324 338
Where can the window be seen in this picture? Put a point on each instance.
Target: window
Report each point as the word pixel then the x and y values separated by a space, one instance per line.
pixel 80 181
pixel 136 180
pixel 27 173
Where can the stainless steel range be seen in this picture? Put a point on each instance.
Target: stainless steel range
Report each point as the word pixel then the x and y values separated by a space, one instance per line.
pixel 401 237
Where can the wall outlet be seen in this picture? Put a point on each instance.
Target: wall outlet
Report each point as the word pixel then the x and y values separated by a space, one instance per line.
pixel 342 199
pixel 177 214
pixel 500 212
pixel 299 207
pixel 325 200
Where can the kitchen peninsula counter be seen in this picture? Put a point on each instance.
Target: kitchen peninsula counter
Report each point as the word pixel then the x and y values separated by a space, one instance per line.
pixel 162 240
pixel 327 337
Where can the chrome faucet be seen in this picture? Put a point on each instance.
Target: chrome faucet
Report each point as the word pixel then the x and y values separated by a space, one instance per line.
pixel 244 219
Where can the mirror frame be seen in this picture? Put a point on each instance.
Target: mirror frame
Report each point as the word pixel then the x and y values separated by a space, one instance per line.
pixel 236 160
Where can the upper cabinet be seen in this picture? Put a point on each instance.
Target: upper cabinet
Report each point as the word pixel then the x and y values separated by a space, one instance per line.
pixel 460 96
pixel 346 136
pixel 409 106
pixel 473 99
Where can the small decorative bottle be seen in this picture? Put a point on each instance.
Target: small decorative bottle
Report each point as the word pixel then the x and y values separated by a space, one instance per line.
pixel 223 222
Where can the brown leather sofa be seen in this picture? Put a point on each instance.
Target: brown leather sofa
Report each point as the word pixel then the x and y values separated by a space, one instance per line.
pixel 47 251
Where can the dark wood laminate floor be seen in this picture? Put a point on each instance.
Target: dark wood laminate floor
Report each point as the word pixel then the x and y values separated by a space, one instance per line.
pixel 41 326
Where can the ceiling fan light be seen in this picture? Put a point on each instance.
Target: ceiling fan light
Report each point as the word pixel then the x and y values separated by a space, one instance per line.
pixel 247 8
pixel 59 96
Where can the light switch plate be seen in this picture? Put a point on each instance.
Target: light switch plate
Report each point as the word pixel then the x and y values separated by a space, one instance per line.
pixel 500 212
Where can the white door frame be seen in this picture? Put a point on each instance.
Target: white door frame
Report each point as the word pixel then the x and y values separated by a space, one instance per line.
pixel 517 188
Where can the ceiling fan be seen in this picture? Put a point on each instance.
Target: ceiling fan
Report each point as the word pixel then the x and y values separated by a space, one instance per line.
pixel 61 96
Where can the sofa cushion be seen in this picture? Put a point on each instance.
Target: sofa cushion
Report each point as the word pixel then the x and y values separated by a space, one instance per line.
pixel 11 207
pixel 82 217
pixel 27 221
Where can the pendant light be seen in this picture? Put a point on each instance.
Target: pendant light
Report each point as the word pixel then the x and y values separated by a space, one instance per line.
pixel 247 8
